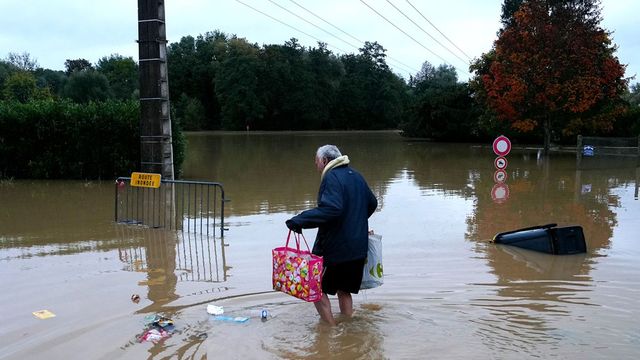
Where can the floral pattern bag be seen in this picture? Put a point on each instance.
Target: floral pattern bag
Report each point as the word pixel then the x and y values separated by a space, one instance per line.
pixel 297 272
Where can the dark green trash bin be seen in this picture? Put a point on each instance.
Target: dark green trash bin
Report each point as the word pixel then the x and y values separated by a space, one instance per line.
pixel 546 238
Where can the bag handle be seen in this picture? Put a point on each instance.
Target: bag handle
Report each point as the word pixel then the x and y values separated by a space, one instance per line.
pixel 297 236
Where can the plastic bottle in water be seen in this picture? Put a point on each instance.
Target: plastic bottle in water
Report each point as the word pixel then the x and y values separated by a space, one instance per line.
pixel 263 314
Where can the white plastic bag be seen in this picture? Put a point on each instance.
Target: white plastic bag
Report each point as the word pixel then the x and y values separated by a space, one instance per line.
pixel 372 273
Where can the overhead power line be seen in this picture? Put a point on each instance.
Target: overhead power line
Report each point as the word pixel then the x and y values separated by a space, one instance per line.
pixel 404 32
pixel 406 67
pixel 285 24
pixel 337 28
pixel 445 36
pixel 425 31
pixel 309 22
pixel 353 37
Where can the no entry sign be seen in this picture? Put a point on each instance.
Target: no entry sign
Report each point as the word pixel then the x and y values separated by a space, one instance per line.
pixel 501 145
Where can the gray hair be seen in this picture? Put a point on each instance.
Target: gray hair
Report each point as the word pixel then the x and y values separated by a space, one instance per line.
pixel 328 152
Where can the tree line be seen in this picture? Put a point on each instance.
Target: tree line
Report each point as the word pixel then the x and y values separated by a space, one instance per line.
pixel 114 77
pixel 225 82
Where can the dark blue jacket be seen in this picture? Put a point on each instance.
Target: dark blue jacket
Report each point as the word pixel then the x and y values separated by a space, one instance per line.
pixel 345 204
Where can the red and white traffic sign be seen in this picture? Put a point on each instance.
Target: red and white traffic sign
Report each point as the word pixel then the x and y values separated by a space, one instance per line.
pixel 500 193
pixel 501 145
pixel 500 163
pixel 500 176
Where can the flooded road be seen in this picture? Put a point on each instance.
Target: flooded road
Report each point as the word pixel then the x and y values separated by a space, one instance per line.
pixel 448 292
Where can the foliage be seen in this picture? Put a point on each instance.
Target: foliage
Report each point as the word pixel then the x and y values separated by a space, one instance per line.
pixel 633 96
pixel 442 108
pixel 237 86
pixel 193 63
pixel 21 86
pixel 6 69
pixel 487 120
pixel 52 79
pixel 22 61
pixel 85 86
pixel 326 72
pixel 190 112
pixel 62 139
pixel 553 69
pixel 370 96
pixel 282 87
pixel 77 65
pixel 628 124
pixel 122 74
pixel 509 8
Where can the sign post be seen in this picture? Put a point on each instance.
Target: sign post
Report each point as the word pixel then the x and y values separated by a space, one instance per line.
pixel 501 147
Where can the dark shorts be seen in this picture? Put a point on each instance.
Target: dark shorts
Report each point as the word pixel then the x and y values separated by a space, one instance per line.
pixel 346 276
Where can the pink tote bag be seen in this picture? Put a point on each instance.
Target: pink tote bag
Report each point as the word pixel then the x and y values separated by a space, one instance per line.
pixel 297 272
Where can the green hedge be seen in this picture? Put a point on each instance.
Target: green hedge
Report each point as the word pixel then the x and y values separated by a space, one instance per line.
pixel 62 139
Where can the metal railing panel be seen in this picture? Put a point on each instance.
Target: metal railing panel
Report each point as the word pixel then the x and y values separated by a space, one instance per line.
pixel 190 206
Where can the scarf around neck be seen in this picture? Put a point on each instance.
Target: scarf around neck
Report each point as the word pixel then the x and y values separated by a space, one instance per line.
pixel 339 161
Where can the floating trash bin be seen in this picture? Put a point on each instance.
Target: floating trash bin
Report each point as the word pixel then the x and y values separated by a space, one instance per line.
pixel 546 238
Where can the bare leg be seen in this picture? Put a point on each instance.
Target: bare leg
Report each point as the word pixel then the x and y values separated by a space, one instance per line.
pixel 346 303
pixel 324 309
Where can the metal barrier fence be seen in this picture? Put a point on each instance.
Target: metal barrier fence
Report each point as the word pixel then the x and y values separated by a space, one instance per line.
pixel 190 206
pixel 616 146
pixel 606 152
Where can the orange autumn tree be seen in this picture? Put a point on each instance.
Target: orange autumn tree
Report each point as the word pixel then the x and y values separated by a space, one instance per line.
pixel 553 69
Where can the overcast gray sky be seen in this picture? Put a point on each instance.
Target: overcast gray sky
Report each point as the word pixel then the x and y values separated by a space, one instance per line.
pixel 55 30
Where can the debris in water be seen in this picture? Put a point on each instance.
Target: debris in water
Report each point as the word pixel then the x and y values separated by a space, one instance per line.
pixel 43 314
pixel 215 310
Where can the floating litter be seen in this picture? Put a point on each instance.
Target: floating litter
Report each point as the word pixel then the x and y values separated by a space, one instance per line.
pixel 43 314
pixel 215 310
pixel 237 319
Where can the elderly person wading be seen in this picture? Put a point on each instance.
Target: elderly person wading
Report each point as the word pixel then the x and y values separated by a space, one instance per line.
pixel 345 203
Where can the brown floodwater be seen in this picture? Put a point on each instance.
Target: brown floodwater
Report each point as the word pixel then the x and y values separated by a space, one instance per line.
pixel 448 292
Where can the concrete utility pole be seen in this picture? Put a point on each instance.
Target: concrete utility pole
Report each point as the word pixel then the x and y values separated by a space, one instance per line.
pixel 155 122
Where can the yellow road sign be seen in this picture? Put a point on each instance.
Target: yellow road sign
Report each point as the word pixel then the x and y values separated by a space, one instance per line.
pixel 145 180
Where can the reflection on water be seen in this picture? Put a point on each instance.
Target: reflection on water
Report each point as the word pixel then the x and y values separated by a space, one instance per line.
pixel 198 257
pixel 167 257
pixel 275 172
pixel 55 212
pixel 207 253
pixel 356 338
pixel 448 292
pixel 531 290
